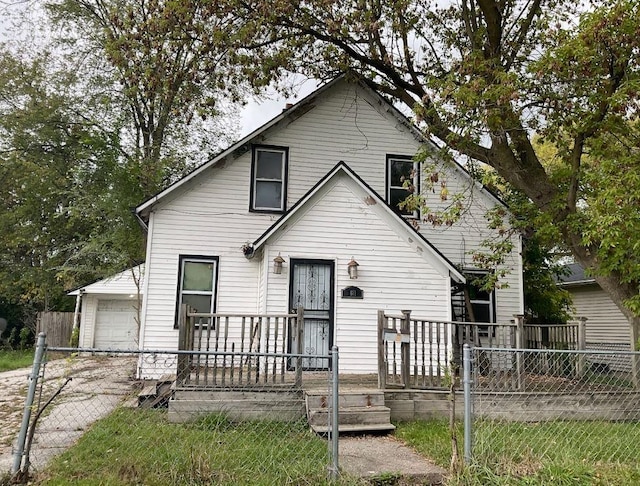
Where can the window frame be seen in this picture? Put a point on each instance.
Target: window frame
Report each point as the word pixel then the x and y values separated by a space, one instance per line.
pixel 470 274
pixel 182 259
pixel 255 149
pixel 416 182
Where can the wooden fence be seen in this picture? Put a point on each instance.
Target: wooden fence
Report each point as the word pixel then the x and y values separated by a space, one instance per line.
pixel 239 350
pixel 58 326
pixel 420 353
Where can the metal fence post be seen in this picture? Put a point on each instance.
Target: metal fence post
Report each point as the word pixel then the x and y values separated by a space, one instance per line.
pixel 335 404
pixel 28 403
pixel 466 383
pixel 581 345
pixel 520 344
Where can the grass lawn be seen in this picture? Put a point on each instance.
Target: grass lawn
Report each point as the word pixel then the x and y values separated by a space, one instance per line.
pixel 572 453
pixel 138 446
pixel 12 360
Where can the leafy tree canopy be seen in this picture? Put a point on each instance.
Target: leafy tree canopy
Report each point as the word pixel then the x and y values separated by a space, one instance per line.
pixel 114 101
pixel 485 77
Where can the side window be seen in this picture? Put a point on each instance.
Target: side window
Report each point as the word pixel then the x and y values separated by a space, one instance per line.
pixel 197 280
pixel 403 177
pixel 269 178
pixel 470 298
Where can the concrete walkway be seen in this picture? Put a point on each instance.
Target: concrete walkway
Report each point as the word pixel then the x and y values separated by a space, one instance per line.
pixel 371 456
pixel 98 385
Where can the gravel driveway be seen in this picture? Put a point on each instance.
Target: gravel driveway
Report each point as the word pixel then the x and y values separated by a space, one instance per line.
pixel 98 385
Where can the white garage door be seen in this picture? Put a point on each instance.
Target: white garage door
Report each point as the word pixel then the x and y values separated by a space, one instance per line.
pixel 116 326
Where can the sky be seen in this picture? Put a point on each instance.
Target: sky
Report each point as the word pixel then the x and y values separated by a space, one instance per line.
pixel 257 112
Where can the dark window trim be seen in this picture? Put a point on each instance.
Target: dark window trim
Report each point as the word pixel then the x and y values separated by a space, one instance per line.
pixel 387 182
pixel 196 258
pixel 285 177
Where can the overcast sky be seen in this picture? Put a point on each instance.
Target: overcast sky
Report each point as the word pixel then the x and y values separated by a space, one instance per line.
pixel 258 112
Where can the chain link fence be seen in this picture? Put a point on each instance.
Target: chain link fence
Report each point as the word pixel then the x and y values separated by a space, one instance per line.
pixel 96 419
pixel 529 409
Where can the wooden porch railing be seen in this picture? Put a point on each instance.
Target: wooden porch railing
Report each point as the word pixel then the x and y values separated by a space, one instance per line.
pixel 421 353
pixel 239 350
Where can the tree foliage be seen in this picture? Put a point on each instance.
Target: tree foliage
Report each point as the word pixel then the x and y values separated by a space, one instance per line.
pixel 115 103
pixel 168 64
pixel 486 76
pixel 58 193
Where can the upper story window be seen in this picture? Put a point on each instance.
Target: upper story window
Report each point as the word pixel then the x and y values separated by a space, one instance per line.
pixel 269 178
pixel 403 176
pixel 197 283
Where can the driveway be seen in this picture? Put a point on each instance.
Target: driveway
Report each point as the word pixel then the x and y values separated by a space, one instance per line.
pixel 98 385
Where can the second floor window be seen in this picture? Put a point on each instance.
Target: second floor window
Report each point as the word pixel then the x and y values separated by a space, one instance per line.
pixel 402 181
pixel 269 179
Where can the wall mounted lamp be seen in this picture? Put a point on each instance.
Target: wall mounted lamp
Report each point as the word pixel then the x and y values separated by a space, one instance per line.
pixel 352 267
pixel 277 264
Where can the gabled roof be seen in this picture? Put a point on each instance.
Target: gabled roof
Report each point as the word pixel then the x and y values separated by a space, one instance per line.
pixel 293 112
pixel 122 283
pixel 343 168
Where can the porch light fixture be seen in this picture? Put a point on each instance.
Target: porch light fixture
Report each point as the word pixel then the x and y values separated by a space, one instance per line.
pixel 352 267
pixel 277 264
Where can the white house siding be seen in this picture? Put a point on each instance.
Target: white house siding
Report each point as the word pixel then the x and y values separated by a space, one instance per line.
pixel 393 274
pixel 210 217
pixel 362 135
pixel 605 323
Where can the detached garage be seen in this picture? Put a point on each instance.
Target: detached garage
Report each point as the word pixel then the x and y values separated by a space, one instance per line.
pixel 109 311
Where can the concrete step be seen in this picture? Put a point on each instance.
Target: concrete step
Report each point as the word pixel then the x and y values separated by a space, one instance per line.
pixel 360 410
pixel 355 428
pixel 347 398
pixel 352 416
pixel 236 405
pixel 190 394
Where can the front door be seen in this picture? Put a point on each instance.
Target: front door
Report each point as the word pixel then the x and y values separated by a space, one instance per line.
pixel 312 288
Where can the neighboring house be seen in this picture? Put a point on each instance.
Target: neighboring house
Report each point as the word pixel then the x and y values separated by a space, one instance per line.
pixel 317 187
pixel 109 311
pixel 606 327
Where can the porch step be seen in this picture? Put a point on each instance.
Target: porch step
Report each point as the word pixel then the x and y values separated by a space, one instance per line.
pixel 156 393
pixel 237 406
pixel 359 411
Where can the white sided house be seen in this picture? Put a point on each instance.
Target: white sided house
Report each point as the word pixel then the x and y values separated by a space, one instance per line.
pixel 276 221
pixel 109 311
pixel 606 327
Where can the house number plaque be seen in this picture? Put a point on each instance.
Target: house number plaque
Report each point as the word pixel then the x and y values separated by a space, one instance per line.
pixel 352 293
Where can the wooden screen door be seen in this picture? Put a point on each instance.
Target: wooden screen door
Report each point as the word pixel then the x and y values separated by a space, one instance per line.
pixel 312 288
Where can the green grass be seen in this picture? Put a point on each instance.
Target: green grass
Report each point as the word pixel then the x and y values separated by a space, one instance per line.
pixel 572 453
pixel 135 446
pixel 13 360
